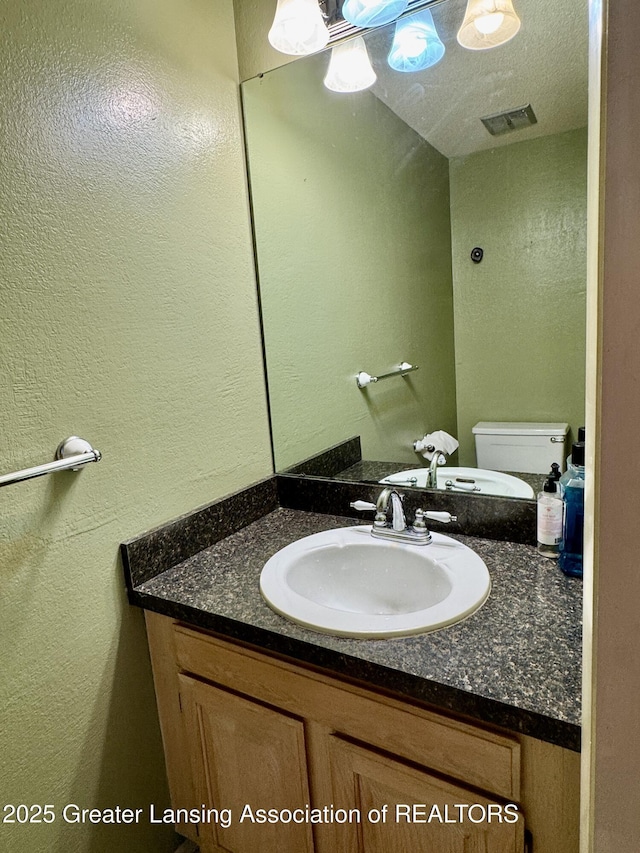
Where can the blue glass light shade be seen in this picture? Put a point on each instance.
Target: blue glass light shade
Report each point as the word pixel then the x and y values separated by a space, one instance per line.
pixel 416 43
pixel 373 13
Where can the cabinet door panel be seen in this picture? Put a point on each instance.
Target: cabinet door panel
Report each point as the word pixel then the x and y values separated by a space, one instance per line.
pixel 484 759
pixel 366 780
pixel 244 753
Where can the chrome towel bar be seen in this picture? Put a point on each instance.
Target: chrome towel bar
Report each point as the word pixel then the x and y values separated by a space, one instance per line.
pixel 363 379
pixel 71 454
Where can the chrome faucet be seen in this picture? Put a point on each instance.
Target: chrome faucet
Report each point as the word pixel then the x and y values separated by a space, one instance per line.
pixel 397 528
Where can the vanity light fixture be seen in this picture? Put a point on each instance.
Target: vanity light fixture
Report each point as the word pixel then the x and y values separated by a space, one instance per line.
pixel 298 28
pixel 416 43
pixel 350 68
pixel 373 13
pixel 488 23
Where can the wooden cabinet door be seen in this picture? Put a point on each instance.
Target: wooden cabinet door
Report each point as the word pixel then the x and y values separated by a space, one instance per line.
pixel 245 754
pixel 366 780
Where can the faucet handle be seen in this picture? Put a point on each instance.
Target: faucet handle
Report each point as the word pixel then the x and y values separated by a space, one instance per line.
pixel 362 506
pixel 418 523
pixel 445 517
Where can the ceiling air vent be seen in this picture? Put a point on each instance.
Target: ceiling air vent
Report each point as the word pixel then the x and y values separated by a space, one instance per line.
pixel 510 120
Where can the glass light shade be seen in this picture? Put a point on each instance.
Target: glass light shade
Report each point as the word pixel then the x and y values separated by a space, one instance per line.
pixel 298 28
pixel 372 13
pixel 488 23
pixel 350 68
pixel 416 43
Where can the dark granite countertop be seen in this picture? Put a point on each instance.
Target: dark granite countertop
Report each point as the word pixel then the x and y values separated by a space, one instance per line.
pixel 515 663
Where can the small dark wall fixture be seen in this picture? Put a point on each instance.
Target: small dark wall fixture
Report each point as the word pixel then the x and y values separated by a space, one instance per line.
pixel 477 254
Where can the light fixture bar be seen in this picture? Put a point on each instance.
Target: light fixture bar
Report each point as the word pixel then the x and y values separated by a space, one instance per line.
pixel 342 30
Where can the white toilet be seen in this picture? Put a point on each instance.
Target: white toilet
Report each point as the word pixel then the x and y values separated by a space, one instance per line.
pixel 526 447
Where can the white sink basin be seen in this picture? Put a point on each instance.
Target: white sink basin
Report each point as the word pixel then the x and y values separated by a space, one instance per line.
pixel 345 582
pixel 484 482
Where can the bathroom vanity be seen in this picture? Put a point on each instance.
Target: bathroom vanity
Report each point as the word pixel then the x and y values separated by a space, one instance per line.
pixel 259 713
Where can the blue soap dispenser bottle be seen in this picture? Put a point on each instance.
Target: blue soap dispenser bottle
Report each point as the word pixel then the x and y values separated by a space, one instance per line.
pixel 572 491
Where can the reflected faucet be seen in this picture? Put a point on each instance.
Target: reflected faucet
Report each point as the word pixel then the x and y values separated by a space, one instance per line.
pixel 438 458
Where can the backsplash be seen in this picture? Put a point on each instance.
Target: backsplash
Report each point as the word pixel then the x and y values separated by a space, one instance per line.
pixel 489 517
pixel 153 552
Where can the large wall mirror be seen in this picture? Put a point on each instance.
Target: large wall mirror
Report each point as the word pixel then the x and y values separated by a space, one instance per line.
pixel 367 207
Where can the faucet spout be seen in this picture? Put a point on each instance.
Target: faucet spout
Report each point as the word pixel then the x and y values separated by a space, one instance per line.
pixel 398 519
pixel 398 522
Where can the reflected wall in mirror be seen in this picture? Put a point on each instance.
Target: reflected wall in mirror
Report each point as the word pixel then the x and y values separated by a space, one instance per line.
pixel 366 209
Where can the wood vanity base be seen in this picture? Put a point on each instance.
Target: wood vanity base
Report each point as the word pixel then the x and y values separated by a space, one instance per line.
pixel 367 773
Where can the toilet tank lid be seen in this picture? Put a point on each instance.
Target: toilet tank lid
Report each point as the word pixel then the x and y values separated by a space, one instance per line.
pixel 503 428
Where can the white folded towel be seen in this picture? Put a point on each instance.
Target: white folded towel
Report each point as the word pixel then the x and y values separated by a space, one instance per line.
pixel 440 440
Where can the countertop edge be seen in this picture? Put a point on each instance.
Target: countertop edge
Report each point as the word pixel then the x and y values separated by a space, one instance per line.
pixel 387 679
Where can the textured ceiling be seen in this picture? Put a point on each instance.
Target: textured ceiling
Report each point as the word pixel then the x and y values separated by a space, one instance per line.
pixel 545 64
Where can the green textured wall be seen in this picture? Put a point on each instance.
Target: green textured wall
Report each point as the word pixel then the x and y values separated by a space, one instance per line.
pixel 520 314
pixel 354 251
pixel 128 317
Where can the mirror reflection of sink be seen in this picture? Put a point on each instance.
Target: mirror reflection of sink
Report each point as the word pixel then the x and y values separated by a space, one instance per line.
pixel 472 480
pixel 346 583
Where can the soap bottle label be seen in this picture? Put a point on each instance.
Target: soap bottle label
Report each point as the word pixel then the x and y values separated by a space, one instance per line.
pixel 550 521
